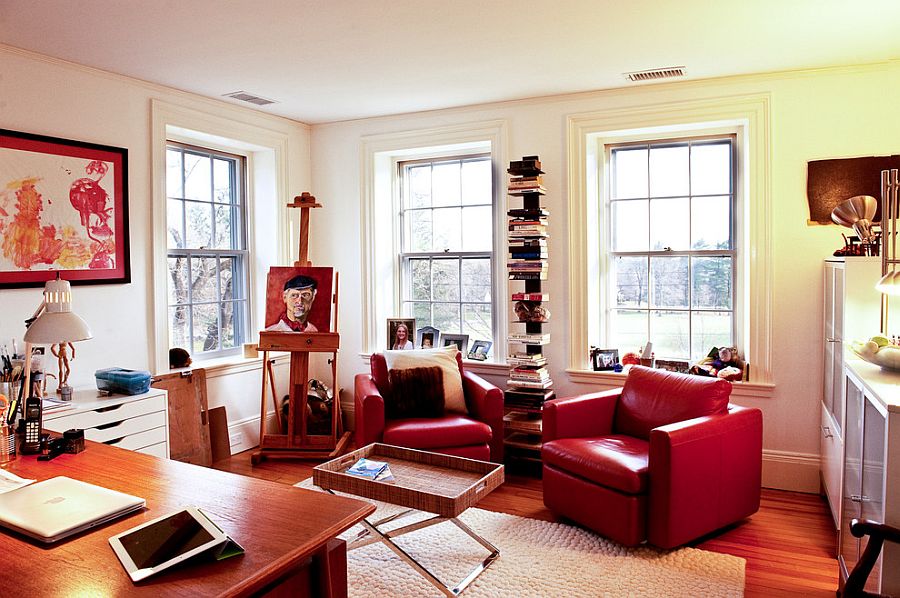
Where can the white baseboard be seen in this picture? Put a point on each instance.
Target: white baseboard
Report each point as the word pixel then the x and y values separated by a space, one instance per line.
pixel 243 435
pixel 798 472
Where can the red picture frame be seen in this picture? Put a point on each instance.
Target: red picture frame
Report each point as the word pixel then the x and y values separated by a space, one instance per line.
pixel 63 209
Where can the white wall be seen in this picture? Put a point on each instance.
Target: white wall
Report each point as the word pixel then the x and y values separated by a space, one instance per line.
pixel 49 97
pixel 815 115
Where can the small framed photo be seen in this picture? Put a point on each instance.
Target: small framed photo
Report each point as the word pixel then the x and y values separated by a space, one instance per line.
pixel 460 340
pixel 427 337
pixel 673 365
pixel 480 350
pixel 604 359
pixel 399 333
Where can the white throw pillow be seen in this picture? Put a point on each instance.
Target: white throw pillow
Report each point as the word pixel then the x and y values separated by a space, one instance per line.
pixel 444 358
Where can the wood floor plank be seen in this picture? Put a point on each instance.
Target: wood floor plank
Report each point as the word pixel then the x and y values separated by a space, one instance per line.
pixel 788 545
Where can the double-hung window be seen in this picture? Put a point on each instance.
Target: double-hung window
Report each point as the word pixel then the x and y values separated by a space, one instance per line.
pixel 671 254
pixel 207 250
pixel 446 244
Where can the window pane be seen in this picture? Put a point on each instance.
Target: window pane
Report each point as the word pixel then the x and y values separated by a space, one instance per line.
pixel 175 223
pixel 669 281
pixel 445 184
pixel 203 280
pixel 669 174
pixel 177 284
pixel 178 326
pixel 477 322
pixel 711 223
pixel 711 169
pixel 420 271
pixel 173 173
pixel 446 317
pixel 476 280
pixel 419 187
pixel 445 278
pixel 418 234
pixel 669 333
pixel 206 328
pixel 629 329
pixel 630 227
pixel 477 183
pixel 712 278
pixel 227 317
pixel 447 229
pixel 629 173
pixel 669 224
pixel 199 224
pixel 421 312
pixel 710 329
pixel 197 177
pixel 227 279
pixel 631 281
pixel 224 236
pixel 477 229
pixel 222 180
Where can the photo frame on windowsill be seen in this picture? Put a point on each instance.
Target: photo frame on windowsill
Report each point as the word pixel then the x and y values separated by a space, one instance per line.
pixel 460 340
pixel 63 209
pixel 480 350
pixel 603 360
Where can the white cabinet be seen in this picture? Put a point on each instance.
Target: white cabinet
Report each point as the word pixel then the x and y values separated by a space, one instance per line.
pixel 852 311
pixel 135 422
pixel 871 484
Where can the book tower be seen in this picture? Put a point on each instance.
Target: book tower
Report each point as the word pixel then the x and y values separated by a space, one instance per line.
pixel 529 383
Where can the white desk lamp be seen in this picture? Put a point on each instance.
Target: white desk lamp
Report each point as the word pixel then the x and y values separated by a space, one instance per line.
pixel 54 322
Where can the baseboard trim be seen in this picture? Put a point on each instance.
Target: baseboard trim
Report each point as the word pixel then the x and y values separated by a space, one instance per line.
pixel 243 434
pixel 785 470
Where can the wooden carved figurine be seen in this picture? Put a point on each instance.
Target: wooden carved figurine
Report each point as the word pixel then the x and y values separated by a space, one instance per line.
pixel 61 352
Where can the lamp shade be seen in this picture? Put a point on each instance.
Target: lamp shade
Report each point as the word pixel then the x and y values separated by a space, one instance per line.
pixel 57 322
pixel 889 283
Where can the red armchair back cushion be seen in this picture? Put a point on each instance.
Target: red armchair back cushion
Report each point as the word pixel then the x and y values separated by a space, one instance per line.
pixel 653 398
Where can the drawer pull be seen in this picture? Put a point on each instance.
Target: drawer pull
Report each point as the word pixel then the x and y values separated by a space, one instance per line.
pixel 827 432
pixel 860 498
pixel 108 426
pixel 110 408
pixel 115 440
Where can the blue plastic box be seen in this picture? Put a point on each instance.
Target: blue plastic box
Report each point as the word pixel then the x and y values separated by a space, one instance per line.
pixel 122 381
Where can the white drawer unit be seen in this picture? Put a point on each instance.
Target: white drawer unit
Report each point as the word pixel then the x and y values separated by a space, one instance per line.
pixel 136 422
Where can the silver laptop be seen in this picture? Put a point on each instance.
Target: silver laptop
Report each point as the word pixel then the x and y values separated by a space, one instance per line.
pixel 59 507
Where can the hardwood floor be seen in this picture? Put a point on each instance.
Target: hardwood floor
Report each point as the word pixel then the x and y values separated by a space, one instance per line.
pixel 789 544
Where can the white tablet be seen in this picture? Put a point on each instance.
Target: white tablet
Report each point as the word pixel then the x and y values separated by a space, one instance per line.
pixel 168 540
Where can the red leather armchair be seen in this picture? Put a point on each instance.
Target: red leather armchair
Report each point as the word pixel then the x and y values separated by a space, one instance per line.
pixel 664 459
pixel 476 435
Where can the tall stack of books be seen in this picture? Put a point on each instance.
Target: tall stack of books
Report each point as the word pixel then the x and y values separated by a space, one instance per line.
pixel 529 384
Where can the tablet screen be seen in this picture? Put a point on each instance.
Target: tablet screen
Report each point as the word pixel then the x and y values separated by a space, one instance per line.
pixel 164 540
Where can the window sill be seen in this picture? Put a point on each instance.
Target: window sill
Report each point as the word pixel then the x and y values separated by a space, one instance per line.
pixel 472 365
pixel 754 390
pixel 225 366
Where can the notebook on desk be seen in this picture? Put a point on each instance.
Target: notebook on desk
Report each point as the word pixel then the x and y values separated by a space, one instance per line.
pixel 59 507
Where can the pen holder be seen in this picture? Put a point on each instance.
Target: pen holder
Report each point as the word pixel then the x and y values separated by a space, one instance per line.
pixel 7 444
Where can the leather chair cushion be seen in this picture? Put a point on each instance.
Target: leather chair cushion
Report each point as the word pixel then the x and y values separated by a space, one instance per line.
pixel 449 430
pixel 616 461
pixel 415 392
pixel 652 398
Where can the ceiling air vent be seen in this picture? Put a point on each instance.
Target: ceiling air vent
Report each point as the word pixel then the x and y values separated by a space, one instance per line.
pixel 249 97
pixel 654 74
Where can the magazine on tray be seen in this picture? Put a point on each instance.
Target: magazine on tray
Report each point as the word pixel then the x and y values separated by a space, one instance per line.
pixel 373 470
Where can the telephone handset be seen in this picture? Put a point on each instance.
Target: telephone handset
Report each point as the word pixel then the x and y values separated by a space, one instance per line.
pixel 31 443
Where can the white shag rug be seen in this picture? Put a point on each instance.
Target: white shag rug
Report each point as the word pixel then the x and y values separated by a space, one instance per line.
pixel 537 559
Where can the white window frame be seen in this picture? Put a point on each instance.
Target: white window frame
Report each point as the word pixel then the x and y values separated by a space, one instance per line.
pixel 380 271
pixel 749 118
pixel 266 154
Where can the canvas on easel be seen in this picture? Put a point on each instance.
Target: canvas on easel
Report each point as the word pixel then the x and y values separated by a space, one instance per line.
pixel 298 299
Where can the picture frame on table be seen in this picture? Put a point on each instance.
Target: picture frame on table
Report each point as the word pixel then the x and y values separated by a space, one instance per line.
pixel 460 340
pixel 479 350
pixel 604 359
pixel 427 337
pixel 63 210
pixel 399 334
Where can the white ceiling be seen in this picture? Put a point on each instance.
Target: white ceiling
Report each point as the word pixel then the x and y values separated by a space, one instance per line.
pixel 331 60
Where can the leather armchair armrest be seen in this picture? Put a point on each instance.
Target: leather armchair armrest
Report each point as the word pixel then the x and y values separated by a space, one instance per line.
pixel 705 473
pixel 485 403
pixel 369 410
pixel 581 416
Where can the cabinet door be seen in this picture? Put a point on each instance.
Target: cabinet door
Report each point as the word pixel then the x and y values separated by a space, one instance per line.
pixel 850 497
pixel 828 331
pixel 872 496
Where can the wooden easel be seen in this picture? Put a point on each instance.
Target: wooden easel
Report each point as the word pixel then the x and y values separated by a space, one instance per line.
pixel 296 442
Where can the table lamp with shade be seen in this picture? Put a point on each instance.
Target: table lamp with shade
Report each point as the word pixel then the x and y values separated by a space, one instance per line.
pixel 54 323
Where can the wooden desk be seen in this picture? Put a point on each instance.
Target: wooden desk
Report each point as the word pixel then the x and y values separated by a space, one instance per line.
pixel 288 533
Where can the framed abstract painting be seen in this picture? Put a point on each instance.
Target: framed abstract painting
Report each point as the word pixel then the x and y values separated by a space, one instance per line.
pixel 63 208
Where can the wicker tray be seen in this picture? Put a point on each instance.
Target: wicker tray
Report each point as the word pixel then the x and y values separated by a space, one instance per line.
pixel 441 484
